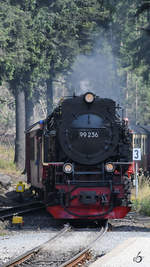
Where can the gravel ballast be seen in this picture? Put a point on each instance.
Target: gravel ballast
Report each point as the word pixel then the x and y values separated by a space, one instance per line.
pixel 39 227
pixel 13 245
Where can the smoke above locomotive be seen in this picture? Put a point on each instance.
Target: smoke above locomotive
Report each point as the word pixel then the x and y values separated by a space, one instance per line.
pixel 78 161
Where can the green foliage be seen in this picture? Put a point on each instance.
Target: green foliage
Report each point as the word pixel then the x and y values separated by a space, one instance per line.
pixel 145 207
pixel 7 159
pixel 142 203
pixel 132 50
pixel 42 38
pixel 142 206
pixel 7 114
pixel 14 61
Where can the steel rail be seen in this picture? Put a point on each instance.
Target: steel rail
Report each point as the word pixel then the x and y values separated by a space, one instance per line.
pixel 84 254
pixel 25 256
pixel 20 209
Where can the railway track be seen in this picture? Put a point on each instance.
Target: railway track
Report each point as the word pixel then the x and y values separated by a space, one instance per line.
pixel 22 258
pixel 7 213
pixel 43 256
pixel 84 255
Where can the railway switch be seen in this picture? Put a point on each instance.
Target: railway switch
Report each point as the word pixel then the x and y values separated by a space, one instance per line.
pixel 20 187
pixel 17 220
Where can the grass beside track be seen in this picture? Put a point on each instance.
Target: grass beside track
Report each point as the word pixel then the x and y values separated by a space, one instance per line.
pixel 7 161
pixel 141 204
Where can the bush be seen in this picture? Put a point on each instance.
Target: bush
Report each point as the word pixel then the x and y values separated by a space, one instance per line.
pixel 145 207
pixel 142 203
pixel 7 159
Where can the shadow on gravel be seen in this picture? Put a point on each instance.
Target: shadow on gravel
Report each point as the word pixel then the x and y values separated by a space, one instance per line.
pixel 41 220
pixel 129 228
pixel 4 201
pixel 38 220
pixel 13 198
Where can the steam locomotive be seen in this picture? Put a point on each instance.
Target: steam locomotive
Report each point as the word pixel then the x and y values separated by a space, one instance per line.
pixel 78 159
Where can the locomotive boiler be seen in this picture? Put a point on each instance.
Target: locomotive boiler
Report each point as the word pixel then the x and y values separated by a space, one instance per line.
pixel 78 160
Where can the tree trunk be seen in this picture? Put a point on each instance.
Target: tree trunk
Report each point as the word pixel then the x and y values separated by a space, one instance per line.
pixel 49 95
pixel 29 111
pixel 20 127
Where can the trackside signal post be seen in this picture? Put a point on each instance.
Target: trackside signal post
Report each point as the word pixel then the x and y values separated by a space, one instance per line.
pixel 136 158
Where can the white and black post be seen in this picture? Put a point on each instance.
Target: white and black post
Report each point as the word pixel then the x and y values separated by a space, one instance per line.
pixel 136 158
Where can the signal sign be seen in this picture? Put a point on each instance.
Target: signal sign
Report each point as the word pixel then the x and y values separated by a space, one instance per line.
pixel 136 154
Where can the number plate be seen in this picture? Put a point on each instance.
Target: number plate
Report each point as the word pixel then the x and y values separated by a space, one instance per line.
pixel 136 154
pixel 89 134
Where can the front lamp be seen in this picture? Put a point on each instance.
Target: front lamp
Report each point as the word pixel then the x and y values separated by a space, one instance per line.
pixel 109 167
pixel 68 168
pixel 89 98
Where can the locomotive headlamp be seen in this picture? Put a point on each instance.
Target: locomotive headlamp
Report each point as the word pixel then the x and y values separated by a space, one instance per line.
pixel 89 98
pixel 109 167
pixel 68 168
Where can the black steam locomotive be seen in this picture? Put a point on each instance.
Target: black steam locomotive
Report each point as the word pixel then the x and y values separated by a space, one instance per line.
pixel 78 161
